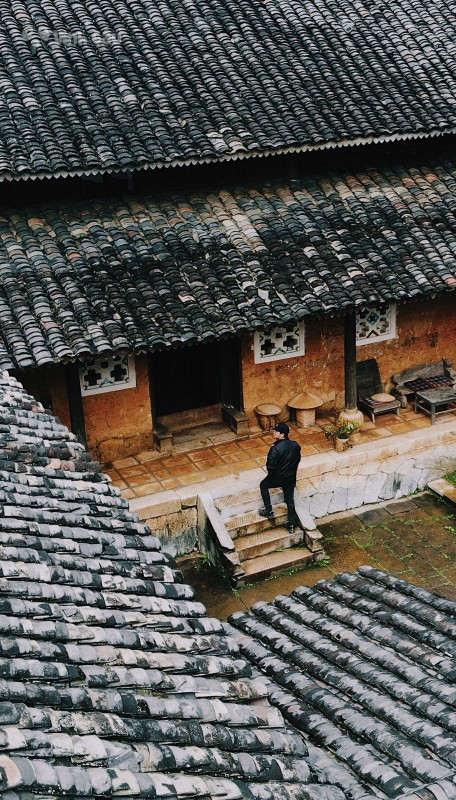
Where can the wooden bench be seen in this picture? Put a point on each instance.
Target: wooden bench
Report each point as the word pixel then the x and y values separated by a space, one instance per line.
pixel 434 375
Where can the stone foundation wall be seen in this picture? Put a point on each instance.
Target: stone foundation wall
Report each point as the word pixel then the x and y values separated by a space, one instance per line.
pixel 358 478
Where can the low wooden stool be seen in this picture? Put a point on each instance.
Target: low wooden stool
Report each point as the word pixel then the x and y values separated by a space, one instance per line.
pixel 267 415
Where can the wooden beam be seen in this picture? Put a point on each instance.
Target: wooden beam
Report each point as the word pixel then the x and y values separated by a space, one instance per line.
pixel 350 361
pixel 75 403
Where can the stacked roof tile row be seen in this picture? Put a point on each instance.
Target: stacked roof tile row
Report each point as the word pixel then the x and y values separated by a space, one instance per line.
pixel 141 274
pixel 89 87
pixel 114 682
pixel 365 666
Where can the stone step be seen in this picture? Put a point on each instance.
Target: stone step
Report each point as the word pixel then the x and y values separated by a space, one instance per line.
pixel 239 502
pixel 256 569
pixel 445 489
pixel 251 522
pixel 242 502
pixel 268 541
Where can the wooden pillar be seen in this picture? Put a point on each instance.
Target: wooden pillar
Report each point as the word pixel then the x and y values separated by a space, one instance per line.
pixel 350 361
pixel 75 403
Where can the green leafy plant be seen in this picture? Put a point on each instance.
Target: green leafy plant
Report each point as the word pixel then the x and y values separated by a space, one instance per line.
pixel 343 431
pixel 451 477
pixel 203 560
pixel 324 562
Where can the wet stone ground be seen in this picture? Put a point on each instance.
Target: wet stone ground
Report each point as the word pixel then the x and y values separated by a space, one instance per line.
pixel 413 538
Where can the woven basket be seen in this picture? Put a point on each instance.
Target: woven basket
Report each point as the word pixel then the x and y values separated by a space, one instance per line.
pixel 341 445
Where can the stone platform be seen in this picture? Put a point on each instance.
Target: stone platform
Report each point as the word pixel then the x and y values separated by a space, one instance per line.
pixel 379 468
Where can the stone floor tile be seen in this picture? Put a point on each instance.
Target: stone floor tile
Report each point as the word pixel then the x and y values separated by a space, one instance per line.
pixel 403 427
pixel 125 462
pixel 308 450
pixel 400 506
pixel 185 469
pixel 251 444
pixel 209 463
pixel 169 483
pixel 176 459
pixel 220 438
pixel 373 516
pixel 113 474
pixel 257 455
pixel 420 423
pixel 119 484
pixel 188 480
pixel 228 447
pixel 379 433
pixel 448 417
pixel 323 446
pixel 201 455
pixel 157 466
pixel 238 458
pixel 434 505
pixel 368 425
pixel 391 420
pixel 128 494
pixel 244 465
pixel 231 458
pixel 138 480
pixel 131 472
pixel 160 474
pixel 147 488
pixel 219 471
pixel 147 455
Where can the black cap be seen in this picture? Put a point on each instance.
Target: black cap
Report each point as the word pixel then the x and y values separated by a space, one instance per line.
pixel 282 427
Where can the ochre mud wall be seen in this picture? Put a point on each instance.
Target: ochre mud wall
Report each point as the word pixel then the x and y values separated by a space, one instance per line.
pixel 426 332
pixel 119 424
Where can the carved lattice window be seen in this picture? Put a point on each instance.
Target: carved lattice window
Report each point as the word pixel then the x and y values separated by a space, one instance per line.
pixel 376 324
pixel 107 374
pixel 283 341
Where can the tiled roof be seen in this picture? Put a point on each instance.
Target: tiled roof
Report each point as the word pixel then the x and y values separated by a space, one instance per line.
pixel 139 274
pixel 113 680
pixel 365 666
pixel 88 87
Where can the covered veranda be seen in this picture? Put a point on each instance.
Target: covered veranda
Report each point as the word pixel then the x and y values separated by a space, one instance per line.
pixel 226 456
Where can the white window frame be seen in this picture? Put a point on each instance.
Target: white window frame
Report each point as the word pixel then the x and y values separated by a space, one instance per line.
pixel 114 387
pixel 259 358
pixel 385 336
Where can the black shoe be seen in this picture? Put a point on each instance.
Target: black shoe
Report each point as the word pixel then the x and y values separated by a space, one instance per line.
pixel 266 512
pixel 291 528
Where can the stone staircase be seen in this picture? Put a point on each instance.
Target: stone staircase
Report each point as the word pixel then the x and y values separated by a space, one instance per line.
pixel 247 547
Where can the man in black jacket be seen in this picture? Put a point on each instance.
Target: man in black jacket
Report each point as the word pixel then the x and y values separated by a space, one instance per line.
pixel 282 465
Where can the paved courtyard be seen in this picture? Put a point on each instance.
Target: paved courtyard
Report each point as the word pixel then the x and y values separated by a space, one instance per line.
pixel 150 472
pixel 413 538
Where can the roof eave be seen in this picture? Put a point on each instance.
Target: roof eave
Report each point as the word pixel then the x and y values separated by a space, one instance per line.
pixel 186 162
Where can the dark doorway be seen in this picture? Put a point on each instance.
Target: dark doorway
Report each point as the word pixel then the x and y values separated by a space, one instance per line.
pixel 194 377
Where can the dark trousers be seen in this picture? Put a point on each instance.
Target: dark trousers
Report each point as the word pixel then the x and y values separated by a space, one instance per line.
pixel 288 493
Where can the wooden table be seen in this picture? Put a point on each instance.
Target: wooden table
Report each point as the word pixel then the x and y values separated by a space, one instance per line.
pixel 433 399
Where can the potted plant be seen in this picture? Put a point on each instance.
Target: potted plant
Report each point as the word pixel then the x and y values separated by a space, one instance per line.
pixel 340 434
